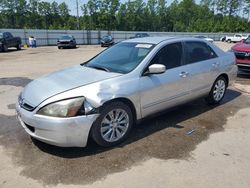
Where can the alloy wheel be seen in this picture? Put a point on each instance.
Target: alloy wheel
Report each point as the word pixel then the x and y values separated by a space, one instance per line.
pixel 114 125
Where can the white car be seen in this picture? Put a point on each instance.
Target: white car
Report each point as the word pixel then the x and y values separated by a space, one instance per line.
pixel 236 38
pixel 205 38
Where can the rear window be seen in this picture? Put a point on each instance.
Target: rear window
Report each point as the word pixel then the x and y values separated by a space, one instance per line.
pixel 198 51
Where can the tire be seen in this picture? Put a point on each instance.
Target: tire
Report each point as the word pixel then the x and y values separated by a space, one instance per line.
pixel 218 91
pixel 106 130
pixel 229 41
pixel 18 47
pixel 59 47
pixel 5 48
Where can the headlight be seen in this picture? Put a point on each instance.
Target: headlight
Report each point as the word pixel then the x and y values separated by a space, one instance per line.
pixel 64 108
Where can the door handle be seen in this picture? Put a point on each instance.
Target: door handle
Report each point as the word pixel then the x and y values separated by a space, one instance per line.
pixel 183 74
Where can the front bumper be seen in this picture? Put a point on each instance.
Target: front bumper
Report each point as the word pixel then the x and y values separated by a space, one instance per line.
pixel 64 132
pixel 66 45
pixel 243 64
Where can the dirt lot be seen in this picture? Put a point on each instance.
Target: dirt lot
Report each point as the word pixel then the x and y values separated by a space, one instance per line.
pixel 158 153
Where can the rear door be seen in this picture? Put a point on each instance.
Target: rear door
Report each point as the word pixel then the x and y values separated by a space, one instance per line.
pixel 160 91
pixel 203 64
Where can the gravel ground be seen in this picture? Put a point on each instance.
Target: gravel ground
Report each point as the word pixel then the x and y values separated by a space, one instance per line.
pixel 158 153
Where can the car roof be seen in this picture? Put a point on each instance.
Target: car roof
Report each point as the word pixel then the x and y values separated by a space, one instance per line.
pixel 151 40
pixel 157 40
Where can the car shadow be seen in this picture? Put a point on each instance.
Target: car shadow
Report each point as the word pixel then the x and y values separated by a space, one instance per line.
pixel 167 119
pixel 69 48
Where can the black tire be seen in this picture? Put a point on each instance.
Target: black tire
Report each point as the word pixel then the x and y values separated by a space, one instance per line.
pixel 96 130
pixel 5 48
pixel 19 47
pixel 211 98
pixel 59 47
pixel 229 41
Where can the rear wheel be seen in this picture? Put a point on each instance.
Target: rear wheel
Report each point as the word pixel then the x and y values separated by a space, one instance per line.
pixel 18 47
pixel 113 125
pixel 218 91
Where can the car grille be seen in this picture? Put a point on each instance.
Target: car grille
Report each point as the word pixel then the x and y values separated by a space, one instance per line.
pixel 243 55
pixel 64 42
pixel 24 104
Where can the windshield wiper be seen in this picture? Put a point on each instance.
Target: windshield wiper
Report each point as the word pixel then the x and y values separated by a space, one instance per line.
pixel 99 67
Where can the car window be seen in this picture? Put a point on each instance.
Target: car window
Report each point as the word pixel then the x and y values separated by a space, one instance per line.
pixel 247 41
pixel 66 37
pixel 238 35
pixel 198 51
pixel 170 56
pixel 122 58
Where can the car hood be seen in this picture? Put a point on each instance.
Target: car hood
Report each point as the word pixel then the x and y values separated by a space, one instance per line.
pixel 242 47
pixel 47 86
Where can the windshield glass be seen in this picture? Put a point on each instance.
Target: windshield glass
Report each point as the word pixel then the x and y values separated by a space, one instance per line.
pixel 1 35
pixel 247 41
pixel 66 37
pixel 107 37
pixel 122 58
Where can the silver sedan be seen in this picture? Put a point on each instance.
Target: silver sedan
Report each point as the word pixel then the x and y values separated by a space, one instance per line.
pixel 104 97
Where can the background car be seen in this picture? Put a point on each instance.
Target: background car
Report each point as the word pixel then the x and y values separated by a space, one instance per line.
pixel 242 53
pixel 205 38
pixel 107 41
pixel 140 35
pixel 236 38
pixel 7 40
pixel 66 41
pixel 104 97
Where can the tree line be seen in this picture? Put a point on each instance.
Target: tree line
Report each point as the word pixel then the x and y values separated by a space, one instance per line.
pixel 132 15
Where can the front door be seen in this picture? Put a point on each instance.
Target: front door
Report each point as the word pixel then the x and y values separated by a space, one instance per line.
pixel 160 91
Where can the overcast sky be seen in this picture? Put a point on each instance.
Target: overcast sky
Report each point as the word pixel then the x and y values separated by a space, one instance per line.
pixel 72 4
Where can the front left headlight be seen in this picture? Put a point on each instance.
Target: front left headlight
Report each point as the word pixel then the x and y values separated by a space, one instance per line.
pixel 65 108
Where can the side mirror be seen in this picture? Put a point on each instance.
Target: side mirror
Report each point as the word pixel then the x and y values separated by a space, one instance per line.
pixel 156 69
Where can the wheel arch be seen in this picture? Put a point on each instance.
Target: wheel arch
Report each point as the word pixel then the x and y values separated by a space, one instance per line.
pixel 126 101
pixel 224 75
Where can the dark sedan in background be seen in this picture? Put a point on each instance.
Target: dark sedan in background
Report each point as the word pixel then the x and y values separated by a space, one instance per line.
pixel 107 41
pixel 140 35
pixel 66 41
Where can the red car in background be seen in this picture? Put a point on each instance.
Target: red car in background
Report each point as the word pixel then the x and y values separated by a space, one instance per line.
pixel 242 53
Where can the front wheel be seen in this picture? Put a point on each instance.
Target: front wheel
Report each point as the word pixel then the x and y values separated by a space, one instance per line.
pixel 113 125
pixel 5 48
pixel 218 91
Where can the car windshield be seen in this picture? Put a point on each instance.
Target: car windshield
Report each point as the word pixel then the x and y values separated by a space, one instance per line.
pixel 1 35
pixel 247 41
pixel 107 37
pixel 122 58
pixel 66 37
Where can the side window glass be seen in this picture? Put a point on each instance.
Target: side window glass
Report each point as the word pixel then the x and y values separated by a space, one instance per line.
pixel 198 51
pixel 6 35
pixel 170 56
